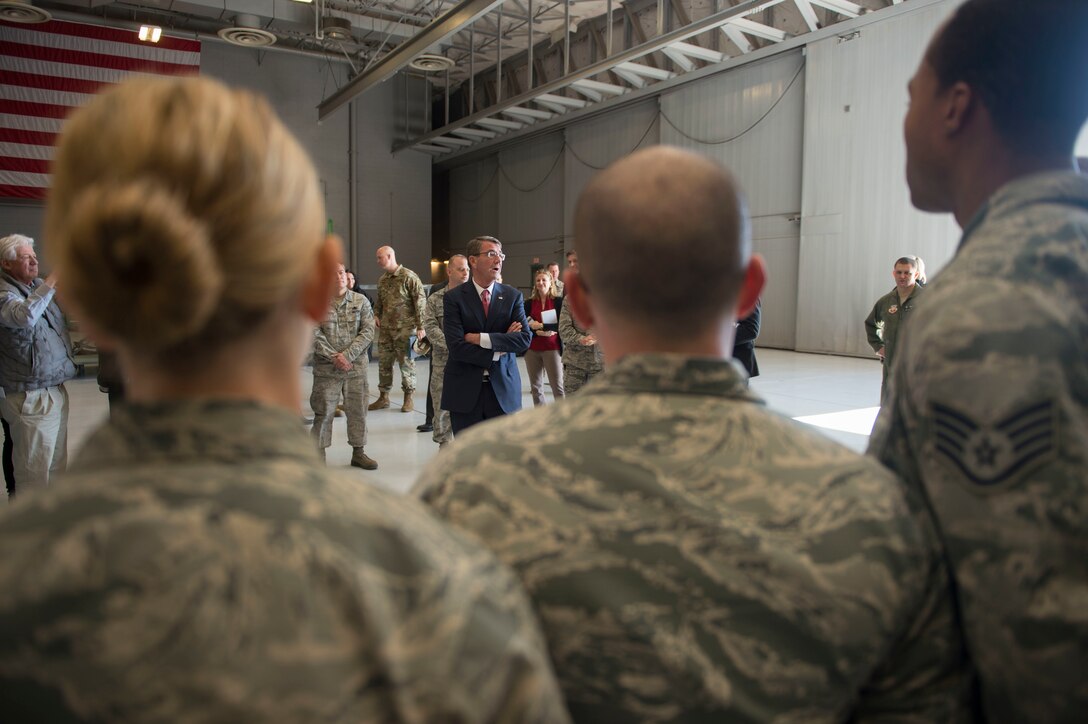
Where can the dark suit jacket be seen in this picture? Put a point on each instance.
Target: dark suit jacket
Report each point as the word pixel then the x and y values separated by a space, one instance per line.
pixel 463 379
pixel 558 301
pixel 744 344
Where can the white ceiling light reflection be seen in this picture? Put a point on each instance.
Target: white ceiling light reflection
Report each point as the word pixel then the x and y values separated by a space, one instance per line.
pixel 858 422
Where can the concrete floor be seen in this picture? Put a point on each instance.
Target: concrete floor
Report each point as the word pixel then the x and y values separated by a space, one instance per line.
pixel 838 395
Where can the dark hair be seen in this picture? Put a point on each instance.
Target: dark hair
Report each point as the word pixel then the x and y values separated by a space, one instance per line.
pixel 476 244
pixel 1026 62
pixel 910 261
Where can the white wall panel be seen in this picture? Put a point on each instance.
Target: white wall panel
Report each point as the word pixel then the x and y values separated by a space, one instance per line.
pixel 751 120
pixel 856 214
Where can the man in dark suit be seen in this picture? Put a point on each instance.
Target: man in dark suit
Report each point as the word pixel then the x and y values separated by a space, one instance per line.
pixel 744 343
pixel 485 329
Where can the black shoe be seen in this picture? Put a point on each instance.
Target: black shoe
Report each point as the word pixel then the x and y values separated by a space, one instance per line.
pixel 425 427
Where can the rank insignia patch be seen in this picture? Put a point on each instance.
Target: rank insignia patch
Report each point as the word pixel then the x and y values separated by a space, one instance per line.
pixel 994 454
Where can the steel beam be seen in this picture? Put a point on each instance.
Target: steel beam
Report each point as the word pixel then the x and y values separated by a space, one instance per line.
pixel 581 76
pixel 443 27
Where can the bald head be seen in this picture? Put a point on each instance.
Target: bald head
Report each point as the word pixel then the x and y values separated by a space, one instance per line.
pixel 676 212
pixel 387 258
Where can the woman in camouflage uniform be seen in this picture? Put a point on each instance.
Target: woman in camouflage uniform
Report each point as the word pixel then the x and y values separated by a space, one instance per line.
pixel 199 563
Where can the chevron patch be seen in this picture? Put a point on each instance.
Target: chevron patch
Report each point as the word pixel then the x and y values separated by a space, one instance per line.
pixel 990 455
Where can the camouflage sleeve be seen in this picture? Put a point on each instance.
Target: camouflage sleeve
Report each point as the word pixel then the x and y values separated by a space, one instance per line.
pixel 567 331
pixel 418 298
pixel 322 349
pixel 871 328
pixel 378 305
pixel 983 425
pixel 362 609
pixel 366 332
pixel 431 325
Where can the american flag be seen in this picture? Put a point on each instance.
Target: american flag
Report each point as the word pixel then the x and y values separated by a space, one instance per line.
pixel 47 70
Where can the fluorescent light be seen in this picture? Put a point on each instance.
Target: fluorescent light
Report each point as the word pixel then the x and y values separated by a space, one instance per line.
pixel 150 33
pixel 306 2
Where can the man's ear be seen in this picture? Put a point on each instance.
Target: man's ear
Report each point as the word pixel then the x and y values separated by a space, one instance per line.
pixel 577 297
pixel 320 283
pixel 960 102
pixel 755 278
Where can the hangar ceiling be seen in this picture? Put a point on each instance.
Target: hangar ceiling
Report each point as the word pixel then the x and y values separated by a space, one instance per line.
pixel 494 66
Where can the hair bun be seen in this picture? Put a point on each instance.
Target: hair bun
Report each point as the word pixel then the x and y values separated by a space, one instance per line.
pixel 149 272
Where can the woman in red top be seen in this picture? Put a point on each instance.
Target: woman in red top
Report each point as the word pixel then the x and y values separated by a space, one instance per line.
pixel 545 352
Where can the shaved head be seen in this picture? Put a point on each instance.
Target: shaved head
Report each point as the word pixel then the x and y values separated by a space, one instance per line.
pixel 681 214
pixel 387 258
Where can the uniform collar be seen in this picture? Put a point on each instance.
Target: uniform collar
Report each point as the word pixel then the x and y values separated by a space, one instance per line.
pixel 215 431
pixel 674 374
pixel 1059 187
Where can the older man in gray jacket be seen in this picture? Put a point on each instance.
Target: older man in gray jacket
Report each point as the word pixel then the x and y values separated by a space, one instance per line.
pixel 35 361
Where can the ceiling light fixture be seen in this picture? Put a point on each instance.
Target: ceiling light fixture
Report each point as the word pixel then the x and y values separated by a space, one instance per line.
pixel 150 33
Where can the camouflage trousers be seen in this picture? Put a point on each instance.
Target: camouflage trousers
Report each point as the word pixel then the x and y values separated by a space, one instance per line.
pixel 443 431
pixel 394 346
pixel 324 398
pixel 574 378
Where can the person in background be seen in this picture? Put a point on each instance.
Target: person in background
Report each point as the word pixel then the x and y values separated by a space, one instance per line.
pixel 582 356
pixel 35 362
pixel 433 319
pixel 340 366
pixel 428 422
pixel 987 418
pixel 485 328
pixel 889 315
pixel 553 269
pixel 744 343
pixel 398 312
pixel 110 379
pixel 544 351
pixel 920 276
pixel 693 556
pixel 9 466
pixel 199 563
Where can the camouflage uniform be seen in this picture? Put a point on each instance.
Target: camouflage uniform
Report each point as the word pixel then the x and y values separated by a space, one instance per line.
pixel 580 363
pixel 203 567
pixel 988 416
pixel 400 310
pixel 882 328
pixel 432 325
pixel 349 329
pixel 695 557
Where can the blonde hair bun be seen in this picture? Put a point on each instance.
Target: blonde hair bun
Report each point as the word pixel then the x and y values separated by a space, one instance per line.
pixel 159 293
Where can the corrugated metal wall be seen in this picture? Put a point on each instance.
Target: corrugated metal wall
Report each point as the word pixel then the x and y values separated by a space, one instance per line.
pixel 856 217
pixel 751 120
pixel 394 205
pixel 597 142
pixel 530 187
pixel 815 134
pixel 474 202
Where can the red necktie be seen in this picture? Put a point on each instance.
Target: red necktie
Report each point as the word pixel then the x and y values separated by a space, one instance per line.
pixel 485 297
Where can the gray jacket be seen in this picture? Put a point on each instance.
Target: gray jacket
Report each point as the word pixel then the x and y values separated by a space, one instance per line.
pixel 35 350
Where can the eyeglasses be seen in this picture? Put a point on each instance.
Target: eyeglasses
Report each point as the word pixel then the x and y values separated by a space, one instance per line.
pixel 492 254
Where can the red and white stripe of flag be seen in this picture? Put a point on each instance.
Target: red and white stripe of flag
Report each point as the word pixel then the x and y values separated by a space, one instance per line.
pixel 47 70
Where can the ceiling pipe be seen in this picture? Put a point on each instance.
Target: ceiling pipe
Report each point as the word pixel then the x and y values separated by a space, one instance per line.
pixel 442 28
